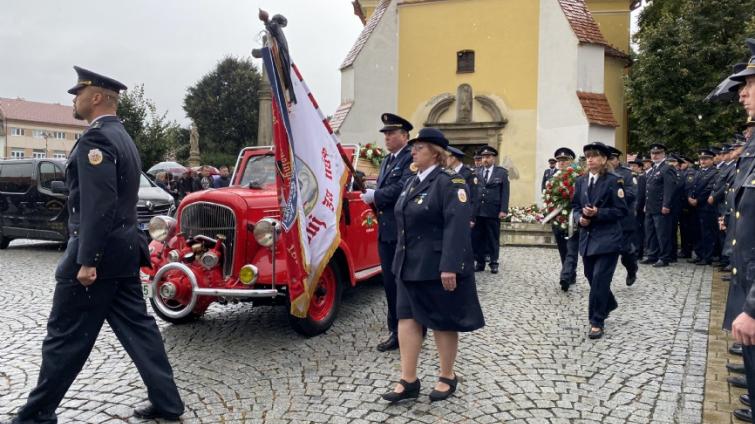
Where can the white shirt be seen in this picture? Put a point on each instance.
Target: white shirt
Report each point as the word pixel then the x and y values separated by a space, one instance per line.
pixel 395 154
pixel 489 171
pixel 422 175
pixel 458 167
pixel 97 118
pixel 593 178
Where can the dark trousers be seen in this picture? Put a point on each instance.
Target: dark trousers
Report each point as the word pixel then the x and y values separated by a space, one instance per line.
pixel 387 250
pixel 658 236
pixel 639 236
pixel 707 222
pixel 675 219
pixel 628 252
pixel 724 255
pixel 599 271
pixel 568 249
pixel 689 231
pixel 748 353
pixel 490 239
pixel 75 320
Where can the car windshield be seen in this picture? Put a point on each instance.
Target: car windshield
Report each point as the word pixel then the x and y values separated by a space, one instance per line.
pixel 259 170
pixel 144 182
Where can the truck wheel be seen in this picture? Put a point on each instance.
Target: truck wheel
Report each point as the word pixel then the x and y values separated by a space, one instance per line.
pixel 173 305
pixel 4 242
pixel 323 307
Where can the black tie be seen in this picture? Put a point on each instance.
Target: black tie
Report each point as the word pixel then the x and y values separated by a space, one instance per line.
pixel 485 177
pixel 390 161
pixel 589 189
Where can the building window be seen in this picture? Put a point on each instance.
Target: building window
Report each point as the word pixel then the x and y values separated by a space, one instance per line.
pixel 60 135
pixel 38 154
pixel 77 135
pixel 17 154
pixel 59 154
pixel 465 61
pixel 38 133
pixel 16 131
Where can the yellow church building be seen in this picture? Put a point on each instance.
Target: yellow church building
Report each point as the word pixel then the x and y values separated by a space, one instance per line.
pixel 523 76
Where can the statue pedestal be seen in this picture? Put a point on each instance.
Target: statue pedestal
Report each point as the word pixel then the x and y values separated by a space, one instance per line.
pixel 194 160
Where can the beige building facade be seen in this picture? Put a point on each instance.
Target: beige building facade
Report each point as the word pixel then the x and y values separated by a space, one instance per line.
pixel 37 130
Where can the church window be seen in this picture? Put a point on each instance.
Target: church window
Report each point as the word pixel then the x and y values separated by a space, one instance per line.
pixel 465 61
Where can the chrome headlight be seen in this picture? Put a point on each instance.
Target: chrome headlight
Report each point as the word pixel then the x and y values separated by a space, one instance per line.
pixel 263 231
pixel 162 227
pixel 174 256
pixel 209 260
pixel 248 274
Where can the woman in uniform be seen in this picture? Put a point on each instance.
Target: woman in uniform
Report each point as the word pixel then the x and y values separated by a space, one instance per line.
pixel 434 266
pixel 598 206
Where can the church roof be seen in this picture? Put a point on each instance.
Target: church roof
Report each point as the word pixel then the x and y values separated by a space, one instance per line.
pixel 365 35
pixel 337 119
pixel 44 113
pixel 582 22
pixel 597 109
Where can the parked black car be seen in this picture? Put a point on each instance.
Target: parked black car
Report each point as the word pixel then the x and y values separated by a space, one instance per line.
pixel 30 209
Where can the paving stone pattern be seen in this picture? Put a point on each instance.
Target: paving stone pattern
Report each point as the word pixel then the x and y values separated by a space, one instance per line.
pixel 532 363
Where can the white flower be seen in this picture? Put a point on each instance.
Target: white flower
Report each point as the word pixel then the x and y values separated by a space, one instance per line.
pixel 368 153
pixel 564 212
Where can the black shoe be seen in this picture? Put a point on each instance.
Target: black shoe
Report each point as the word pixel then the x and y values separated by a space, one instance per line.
pixel 736 368
pixel 479 267
pixel 648 261
pixel 735 350
pixel 595 334
pixel 564 285
pixel 704 263
pixel 150 413
pixel 411 391
pixel 631 278
pixel 573 281
pixel 737 381
pixel 745 399
pixel 391 343
pixel 660 264
pixel 493 268
pixel 437 395
pixel 694 261
pixel 685 256
pixel 744 414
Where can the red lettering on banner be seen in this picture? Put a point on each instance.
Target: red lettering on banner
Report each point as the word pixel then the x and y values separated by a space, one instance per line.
pixel 328 200
pixel 292 252
pixel 326 161
pixel 313 227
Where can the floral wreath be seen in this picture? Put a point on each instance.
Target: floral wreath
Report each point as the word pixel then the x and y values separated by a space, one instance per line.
pixel 373 153
pixel 558 193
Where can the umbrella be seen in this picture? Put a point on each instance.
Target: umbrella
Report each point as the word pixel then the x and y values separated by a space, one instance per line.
pixel 174 168
pixel 725 92
pixel 213 170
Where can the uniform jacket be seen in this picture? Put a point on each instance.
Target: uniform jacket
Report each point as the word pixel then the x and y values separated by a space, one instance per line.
pixel 689 175
pixel 390 182
pixel 724 179
pixel 470 177
pixel 547 175
pixel 433 217
pixel 641 186
pixel 628 223
pixel 660 188
pixel 680 193
pixel 604 234
pixel 102 176
pixel 743 251
pixel 494 194
pixel 703 187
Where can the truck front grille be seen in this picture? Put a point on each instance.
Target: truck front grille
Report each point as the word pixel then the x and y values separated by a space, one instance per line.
pixel 210 219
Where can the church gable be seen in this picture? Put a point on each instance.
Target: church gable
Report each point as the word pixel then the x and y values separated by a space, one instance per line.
pixel 582 23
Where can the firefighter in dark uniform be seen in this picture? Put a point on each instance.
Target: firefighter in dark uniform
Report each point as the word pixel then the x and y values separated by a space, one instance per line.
pixel 394 171
pixel 680 198
pixel 717 197
pixel 454 163
pixel 433 266
pixel 568 246
pixel 689 230
pixel 639 235
pixel 98 275
pixel 706 212
pixel 548 173
pixel 659 196
pixel 598 206
pixel 628 225
pixel 493 206
pixel 725 220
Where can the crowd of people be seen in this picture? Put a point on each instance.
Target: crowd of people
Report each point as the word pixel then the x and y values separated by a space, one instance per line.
pixel 192 181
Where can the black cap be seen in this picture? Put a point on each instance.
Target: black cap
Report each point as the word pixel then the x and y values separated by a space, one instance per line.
pixel 614 152
pixel 552 161
pixel 750 69
pixel 636 161
pixel 88 78
pixel 477 156
pixel 706 153
pixel 393 122
pixel 739 140
pixel 657 146
pixel 646 159
pixel 456 152
pixel 716 150
pixel 432 136
pixel 565 153
pixel 487 150
pixel 598 147
pixel 687 159
pixel 673 157
pixel 726 148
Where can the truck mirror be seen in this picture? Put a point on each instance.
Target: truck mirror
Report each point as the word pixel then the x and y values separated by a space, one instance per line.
pixel 58 187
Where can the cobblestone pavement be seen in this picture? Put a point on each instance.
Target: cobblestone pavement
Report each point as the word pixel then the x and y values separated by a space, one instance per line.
pixel 532 363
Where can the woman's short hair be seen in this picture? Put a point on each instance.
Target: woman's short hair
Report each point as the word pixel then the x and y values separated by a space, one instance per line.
pixel 441 154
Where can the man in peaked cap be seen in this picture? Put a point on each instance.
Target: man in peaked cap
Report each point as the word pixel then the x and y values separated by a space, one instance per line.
pixel 628 222
pixel 689 228
pixel 659 196
pixel 568 246
pixel 639 234
pixel 98 275
pixel 706 212
pixel 493 205
pixel 548 173
pixel 394 171
pixel 454 163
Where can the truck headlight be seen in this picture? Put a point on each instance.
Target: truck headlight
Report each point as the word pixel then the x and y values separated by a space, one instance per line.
pixel 162 227
pixel 267 230
pixel 248 274
pixel 209 260
pixel 174 256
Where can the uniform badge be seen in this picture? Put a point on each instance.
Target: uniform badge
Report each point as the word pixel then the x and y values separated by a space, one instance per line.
pixel 458 180
pixel 475 180
pixel 620 193
pixel 95 157
pixel 413 168
pixel 462 195
pixel 634 180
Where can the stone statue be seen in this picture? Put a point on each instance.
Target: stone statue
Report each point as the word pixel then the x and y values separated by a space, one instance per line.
pixel 194 158
pixel 464 104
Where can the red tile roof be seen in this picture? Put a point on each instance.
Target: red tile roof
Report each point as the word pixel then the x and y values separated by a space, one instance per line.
pixel 365 35
pixel 614 52
pixel 337 119
pixel 44 113
pixel 597 109
pixel 582 22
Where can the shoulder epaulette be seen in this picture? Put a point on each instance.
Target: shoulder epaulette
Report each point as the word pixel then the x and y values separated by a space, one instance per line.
pixel 97 124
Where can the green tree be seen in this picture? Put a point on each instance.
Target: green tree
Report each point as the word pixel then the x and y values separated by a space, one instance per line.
pixel 153 134
pixel 224 106
pixel 686 47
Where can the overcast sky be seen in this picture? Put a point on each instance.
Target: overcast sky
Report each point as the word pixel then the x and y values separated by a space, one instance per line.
pixel 167 45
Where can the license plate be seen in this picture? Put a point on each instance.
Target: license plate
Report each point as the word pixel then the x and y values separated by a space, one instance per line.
pixel 147 290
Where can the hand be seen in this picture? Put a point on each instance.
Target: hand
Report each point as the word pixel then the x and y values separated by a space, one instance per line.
pixel 449 280
pixel 692 202
pixel 589 211
pixel 665 211
pixel 584 222
pixel 471 224
pixel 743 329
pixel 710 200
pixel 368 196
pixel 502 215
pixel 87 275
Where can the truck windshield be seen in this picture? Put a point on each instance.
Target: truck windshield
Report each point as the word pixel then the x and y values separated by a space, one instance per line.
pixel 259 170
